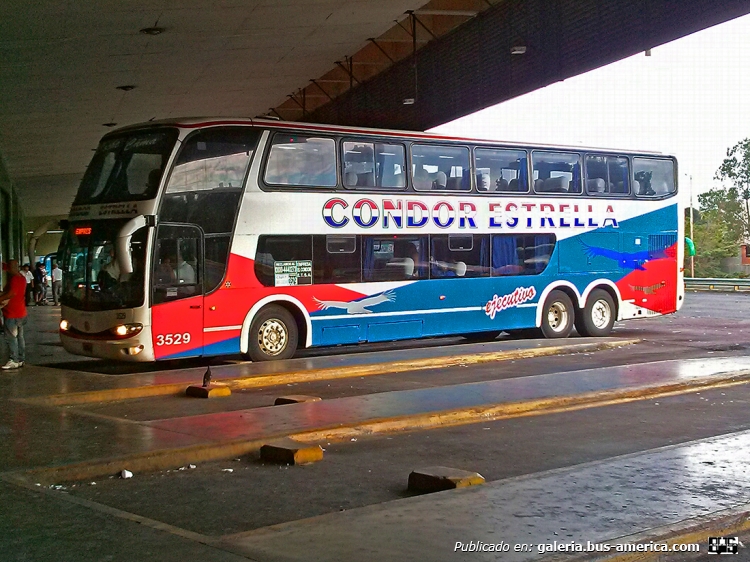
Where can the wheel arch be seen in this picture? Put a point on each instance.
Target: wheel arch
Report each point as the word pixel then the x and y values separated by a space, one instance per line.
pixel 295 308
pixel 605 285
pixel 566 287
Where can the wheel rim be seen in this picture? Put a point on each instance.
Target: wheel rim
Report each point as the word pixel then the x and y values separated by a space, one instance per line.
pixel 272 336
pixel 601 314
pixel 557 317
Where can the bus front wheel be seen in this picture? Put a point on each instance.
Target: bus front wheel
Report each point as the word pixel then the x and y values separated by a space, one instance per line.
pixel 273 335
pixel 558 315
pixel 598 316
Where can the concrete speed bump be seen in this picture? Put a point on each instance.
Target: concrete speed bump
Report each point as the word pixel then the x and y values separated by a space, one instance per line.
pixel 439 478
pixel 289 451
pixel 210 391
pixel 295 399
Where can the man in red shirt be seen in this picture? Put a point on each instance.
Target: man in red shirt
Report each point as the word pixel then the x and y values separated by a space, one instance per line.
pixel 13 302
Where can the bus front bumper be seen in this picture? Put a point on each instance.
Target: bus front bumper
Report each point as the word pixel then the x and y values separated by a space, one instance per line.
pixel 136 349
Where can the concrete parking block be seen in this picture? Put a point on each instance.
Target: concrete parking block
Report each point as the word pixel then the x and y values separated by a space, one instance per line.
pixel 439 478
pixel 289 451
pixel 210 391
pixel 295 399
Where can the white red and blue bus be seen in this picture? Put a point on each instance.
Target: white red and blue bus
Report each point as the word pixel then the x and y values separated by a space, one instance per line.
pixel 211 237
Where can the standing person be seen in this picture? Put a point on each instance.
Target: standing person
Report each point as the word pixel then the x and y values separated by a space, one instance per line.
pixel 56 283
pixel 13 302
pixel 29 283
pixel 39 276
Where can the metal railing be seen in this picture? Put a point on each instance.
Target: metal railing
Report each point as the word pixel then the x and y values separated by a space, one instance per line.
pixel 718 284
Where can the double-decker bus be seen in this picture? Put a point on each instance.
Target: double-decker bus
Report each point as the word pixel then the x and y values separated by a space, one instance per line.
pixel 209 237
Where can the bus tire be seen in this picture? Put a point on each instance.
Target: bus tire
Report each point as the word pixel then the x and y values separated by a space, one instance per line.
pixel 598 316
pixel 558 315
pixel 273 335
pixel 481 336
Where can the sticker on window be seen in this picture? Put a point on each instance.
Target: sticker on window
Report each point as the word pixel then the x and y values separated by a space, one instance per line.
pixel 289 273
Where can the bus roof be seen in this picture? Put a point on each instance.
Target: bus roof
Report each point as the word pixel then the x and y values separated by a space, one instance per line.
pixel 266 123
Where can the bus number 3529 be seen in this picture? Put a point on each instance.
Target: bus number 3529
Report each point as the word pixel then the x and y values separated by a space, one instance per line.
pixel 173 339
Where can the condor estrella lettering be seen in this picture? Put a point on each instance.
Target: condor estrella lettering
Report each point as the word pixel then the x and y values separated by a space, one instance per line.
pixel 409 213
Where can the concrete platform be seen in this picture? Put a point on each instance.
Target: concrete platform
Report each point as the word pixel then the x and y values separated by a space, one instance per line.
pixel 86 447
pixel 673 491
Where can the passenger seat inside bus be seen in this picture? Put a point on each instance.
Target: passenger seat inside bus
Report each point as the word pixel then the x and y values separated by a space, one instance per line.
pixel 555 185
pixel 441 181
pixel 596 185
pixel 421 180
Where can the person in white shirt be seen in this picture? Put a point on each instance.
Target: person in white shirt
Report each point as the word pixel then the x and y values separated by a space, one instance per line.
pixel 25 271
pixel 56 283
pixel 185 273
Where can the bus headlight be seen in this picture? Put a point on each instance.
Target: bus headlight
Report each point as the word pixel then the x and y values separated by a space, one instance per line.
pixel 64 325
pixel 127 330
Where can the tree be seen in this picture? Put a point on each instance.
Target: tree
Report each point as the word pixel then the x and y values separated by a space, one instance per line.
pixel 716 230
pixel 724 219
pixel 736 169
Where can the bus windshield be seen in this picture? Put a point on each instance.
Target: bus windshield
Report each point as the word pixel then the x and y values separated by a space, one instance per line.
pixel 92 279
pixel 127 167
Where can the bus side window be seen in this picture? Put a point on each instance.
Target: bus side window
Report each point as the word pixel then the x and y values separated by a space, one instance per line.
pixel 654 176
pixel 374 165
pixel 459 255
pixel 607 175
pixel 501 170
pixel 556 172
pixel 300 160
pixel 440 168
pixel 394 258
pixel 521 254
pixel 274 253
pixel 337 259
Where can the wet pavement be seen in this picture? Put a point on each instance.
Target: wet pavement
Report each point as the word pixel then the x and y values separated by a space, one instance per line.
pixel 591 503
pixel 50 428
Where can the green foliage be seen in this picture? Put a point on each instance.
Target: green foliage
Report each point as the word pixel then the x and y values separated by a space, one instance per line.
pixel 724 218
pixel 735 169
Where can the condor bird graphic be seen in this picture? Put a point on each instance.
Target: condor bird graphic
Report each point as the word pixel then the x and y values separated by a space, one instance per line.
pixel 357 307
pixel 626 260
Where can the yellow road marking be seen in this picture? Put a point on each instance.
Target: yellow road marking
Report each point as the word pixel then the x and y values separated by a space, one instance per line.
pixel 332 373
pixel 168 458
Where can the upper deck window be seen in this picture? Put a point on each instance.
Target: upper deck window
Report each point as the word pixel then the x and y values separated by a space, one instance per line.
pixel 440 168
pixel 301 160
pixel 607 175
pixel 374 165
pixel 127 167
pixel 556 172
pixel 653 177
pixel 501 170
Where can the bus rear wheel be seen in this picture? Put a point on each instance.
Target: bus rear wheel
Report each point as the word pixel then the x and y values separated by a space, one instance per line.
pixel 558 315
pixel 598 316
pixel 273 335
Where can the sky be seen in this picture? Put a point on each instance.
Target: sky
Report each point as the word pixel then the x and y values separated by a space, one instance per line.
pixel 690 98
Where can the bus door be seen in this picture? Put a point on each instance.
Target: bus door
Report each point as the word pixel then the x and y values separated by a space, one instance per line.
pixel 177 291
